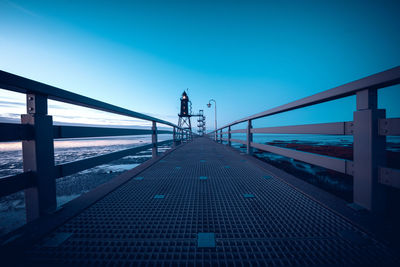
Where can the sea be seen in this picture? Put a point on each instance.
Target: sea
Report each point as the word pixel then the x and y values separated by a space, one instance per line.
pixel 12 207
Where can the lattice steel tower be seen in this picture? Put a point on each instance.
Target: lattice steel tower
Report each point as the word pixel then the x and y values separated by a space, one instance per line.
pixel 201 122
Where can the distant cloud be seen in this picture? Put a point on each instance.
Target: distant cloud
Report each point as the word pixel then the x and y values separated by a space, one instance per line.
pixel 11 104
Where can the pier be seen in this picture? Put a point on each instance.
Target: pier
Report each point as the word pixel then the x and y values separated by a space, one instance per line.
pixel 203 203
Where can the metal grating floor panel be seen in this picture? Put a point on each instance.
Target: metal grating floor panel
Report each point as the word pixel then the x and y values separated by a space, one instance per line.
pixel 278 226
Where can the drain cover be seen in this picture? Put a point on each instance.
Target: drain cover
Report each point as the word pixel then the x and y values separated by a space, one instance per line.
pixel 206 240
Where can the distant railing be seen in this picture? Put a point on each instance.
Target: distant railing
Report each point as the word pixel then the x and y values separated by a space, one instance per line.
pixel 369 129
pixel 37 134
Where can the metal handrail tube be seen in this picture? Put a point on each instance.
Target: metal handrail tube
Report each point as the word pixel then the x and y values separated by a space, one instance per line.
pixel 14 183
pixel 334 128
pixel 238 141
pixel 87 163
pixel 238 131
pixel 79 131
pixel 15 132
pixel 333 163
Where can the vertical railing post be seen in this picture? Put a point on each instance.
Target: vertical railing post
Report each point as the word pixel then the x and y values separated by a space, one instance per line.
pixel 38 156
pixel 249 138
pixel 229 136
pixel 174 136
pixel 369 152
pixel 154 151
pixel 220 136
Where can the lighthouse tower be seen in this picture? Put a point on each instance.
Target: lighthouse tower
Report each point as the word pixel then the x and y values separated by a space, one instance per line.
pixel 185 114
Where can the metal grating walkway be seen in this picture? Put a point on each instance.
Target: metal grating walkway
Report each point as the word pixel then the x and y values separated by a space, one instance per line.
pixel 204 205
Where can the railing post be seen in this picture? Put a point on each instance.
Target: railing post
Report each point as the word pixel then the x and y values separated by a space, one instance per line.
pixel 220 136
pixel 369 152
pixel 229 136
pixel 174 136
pixel 154 139
pixel 249 138
pixel 38 156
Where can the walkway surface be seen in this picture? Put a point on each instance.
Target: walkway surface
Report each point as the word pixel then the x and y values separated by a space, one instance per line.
pixel 206 205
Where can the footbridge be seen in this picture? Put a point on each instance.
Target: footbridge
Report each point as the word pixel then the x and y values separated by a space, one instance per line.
pixel 203 202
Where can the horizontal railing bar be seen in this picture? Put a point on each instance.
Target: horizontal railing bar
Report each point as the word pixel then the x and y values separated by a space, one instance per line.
pixel 14 183
pixel 389 176
pixel 225 139
pixel 376 81
pixel 15 132
pixel 227 132
pixel 238 141
pixel 389 126
pixel 78 131
pixel 335 128
pixel 20 84
pixel 84 164
pixel 336 164
pixel 239 131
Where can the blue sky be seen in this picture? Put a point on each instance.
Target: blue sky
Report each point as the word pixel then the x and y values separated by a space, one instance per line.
pixel 247 55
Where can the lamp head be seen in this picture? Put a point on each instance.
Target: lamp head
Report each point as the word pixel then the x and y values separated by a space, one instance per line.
pixel 209 105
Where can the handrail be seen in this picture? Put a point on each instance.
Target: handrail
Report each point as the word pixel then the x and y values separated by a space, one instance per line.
pixel 20 84
pixel 38 133
pixel 369 129
pixel 376 81
pixel 87 163
pixel 19 132
pixel 79 132
pixel 335 128
pixel 14 183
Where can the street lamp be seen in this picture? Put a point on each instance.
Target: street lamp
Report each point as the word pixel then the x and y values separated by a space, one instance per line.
pixel 215 108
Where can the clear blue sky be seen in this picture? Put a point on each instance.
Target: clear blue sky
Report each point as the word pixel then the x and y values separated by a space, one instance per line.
pixel 247 55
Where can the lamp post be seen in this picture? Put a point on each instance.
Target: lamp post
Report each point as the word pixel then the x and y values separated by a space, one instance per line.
pixel 215 108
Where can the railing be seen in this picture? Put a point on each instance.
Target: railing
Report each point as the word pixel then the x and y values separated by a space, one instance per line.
pixel 37 134
pixel 369 129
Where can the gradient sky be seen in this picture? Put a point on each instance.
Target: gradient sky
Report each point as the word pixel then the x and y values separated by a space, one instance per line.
pixel 247 55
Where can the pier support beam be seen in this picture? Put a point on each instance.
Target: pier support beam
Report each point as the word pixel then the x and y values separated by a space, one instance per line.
pixel 229 136
pixel 249 138
pixel 174 136
pixel 38 156
pixel 369 152
pixel 154 151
